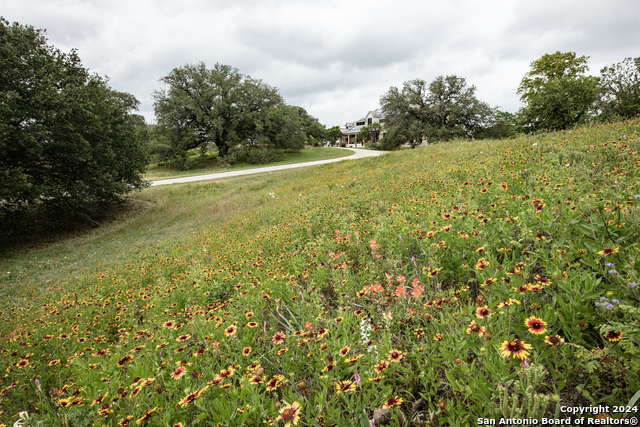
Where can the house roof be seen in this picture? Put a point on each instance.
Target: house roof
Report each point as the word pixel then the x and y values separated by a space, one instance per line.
pixel 353 130
pixel 378 114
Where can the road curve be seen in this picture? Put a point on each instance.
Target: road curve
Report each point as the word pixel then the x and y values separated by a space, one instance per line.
pixel 359 154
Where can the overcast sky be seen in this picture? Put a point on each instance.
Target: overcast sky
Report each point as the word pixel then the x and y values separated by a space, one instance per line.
pixel 334 58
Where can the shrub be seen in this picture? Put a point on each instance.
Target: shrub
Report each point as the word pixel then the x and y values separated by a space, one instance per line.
pixel 260 156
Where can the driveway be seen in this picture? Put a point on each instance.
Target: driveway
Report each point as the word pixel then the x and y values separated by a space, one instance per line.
pixel 359 154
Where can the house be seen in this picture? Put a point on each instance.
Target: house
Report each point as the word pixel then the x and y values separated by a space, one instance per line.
pixel 350 130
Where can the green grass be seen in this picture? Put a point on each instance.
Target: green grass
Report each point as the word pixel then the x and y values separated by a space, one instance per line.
pixel 156 172
pixel 155 218
pixel 420 272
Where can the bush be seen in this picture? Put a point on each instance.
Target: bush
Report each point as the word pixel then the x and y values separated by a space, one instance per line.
pixel 235 154
pixel 194 162
pixel 229 160
pixel 261 156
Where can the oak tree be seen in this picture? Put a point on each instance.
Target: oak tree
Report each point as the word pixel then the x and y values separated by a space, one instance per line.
pixel 557 93
pixel 446 108
pixel 223 107
pixel 621 89
pixel 68 142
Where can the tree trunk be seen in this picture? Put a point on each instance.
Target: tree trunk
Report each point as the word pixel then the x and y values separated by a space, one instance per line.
pixel 223 149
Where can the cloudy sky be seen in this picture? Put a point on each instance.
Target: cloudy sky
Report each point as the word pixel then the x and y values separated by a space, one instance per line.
pixel 334 58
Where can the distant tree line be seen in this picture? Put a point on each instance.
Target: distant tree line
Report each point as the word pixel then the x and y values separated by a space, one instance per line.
pixel 556 94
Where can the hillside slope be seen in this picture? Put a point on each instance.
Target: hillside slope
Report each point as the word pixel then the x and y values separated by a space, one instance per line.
pixel 419 282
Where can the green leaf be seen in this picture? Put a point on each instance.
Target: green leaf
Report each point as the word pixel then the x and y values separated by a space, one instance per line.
pixel 590 263
pixel 565 287
pixel 557 298
pixel 587 231
pixel 451 379
pixel 592 246
pixel 590 295
pixel 561 385
pixel 634 399
pixel 365 419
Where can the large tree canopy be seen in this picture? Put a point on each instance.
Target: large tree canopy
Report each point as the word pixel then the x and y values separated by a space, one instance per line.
pixel 446 108
pixel 283 128
pixel 621 89
pixel 557 93
pixel 67 140
pixel 311 126
pixel 225 108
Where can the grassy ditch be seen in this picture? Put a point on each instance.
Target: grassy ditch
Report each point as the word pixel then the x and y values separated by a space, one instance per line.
pixel 155 218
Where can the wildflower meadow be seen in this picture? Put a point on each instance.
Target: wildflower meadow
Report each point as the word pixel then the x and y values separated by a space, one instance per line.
pixel 427 287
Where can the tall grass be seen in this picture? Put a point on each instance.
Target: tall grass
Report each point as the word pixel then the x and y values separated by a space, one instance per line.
pixel 155 218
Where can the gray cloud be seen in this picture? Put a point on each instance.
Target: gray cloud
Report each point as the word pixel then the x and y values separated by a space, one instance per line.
pixel 334 58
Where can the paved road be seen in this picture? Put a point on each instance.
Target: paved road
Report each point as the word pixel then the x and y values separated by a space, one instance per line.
pixel 359 153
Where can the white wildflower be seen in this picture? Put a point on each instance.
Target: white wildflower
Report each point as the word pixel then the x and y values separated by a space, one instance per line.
pixel 24 417
pixel 365 331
